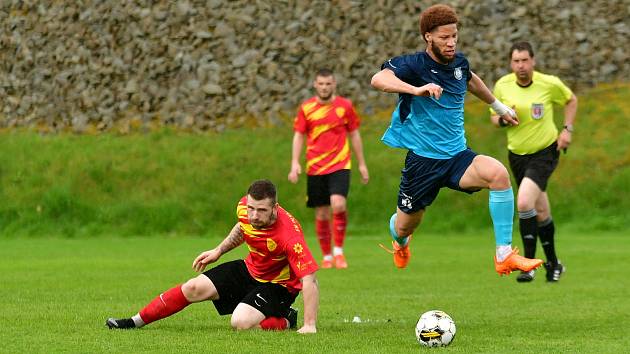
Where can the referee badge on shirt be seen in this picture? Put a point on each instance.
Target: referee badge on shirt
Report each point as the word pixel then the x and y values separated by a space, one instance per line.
pixel 538 110
pixel 458 73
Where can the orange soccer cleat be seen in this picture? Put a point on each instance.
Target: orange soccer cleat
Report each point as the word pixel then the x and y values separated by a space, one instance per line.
pixel 327 263
pixel 340 262
pixel 516 262
pixel 401 253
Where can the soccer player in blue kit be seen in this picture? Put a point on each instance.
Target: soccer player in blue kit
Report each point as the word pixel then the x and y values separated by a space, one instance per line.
pixel 429 122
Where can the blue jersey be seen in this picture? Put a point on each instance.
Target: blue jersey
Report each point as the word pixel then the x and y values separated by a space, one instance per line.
pixel 429 127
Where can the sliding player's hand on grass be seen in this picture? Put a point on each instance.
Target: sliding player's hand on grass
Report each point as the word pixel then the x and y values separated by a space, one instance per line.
pixel 205 258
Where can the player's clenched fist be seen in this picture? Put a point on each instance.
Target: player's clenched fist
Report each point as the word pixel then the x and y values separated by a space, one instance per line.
pixel 430 89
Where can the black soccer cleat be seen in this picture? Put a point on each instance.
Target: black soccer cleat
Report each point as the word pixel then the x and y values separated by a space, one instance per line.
pixel 291 316
pixel 526 277
pixel 123 323
pixel 554 271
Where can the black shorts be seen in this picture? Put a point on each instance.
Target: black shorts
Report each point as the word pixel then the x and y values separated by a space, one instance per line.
pixel 319 188
pixel 423 177
pixel 537 166
pixel 235 285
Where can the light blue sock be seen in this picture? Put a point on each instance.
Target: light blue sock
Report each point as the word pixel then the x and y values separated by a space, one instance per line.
pixel 392 231
pixel 501 205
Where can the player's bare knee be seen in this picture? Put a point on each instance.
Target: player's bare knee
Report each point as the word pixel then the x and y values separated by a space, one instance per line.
pixel 195 290
pixel 500 179
pixel 542 215
pixel 189 289
pixel 522 204
pixel 322 213
pixel 239 323
pixel 339 208
pixel 338 203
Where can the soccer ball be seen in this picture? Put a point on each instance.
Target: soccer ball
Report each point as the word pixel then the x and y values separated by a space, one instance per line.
pixel 435 329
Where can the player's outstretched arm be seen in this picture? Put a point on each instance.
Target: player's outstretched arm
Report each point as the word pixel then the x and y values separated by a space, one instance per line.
pixel 385 80
pixel 478 88
pixel 233 240
pixel 296 151
pixel 310 292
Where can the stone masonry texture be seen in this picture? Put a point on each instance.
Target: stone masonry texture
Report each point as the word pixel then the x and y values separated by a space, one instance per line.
pixel 208 65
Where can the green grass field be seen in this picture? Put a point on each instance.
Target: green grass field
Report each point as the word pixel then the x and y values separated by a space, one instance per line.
pixel 55 295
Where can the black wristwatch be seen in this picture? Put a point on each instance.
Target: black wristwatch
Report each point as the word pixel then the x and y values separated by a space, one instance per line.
pixel 569 128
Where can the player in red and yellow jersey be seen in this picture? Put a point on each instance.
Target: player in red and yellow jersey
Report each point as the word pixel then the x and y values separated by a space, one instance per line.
pixel 326 121
pixel 259 290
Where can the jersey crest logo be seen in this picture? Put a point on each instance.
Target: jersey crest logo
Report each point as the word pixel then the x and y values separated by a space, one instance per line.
pixel 271 245
pixel 297 248
pixel 458 73
pixel 538 110
pixel 340 111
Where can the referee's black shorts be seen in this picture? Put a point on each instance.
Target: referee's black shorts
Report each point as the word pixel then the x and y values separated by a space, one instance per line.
pixel 537 166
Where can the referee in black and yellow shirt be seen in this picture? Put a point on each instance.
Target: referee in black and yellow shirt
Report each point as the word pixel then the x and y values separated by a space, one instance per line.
pixel 534 148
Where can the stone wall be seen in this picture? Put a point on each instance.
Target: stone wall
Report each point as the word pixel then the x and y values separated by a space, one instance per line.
pixel 95 65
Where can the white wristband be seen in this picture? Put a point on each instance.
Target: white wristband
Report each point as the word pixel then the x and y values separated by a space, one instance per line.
pixel 502 109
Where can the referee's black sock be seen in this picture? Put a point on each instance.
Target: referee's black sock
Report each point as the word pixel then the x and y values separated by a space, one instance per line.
pixel 546 230
pixel 529 231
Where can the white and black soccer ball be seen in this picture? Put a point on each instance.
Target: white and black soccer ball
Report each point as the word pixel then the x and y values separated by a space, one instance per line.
pixel 435 328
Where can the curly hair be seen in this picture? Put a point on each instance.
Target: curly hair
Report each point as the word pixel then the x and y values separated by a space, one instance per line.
pixel 435 16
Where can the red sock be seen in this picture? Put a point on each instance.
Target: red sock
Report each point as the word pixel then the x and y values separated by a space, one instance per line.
pixel 168 303
pixel 339 227
pixel 322 228
pixel 274 323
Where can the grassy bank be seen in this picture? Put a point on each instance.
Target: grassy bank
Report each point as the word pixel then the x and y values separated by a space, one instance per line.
pixel 176 183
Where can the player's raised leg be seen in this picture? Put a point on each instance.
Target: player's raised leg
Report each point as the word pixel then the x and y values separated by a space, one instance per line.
pixel 169 302
pixel 401 227
pixel 487 172
pixel 415 193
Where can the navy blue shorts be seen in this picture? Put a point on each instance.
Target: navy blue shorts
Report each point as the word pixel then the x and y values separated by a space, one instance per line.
pixel 423 177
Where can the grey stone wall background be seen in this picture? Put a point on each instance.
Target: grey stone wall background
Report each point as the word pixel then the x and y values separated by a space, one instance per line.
pixel 204 65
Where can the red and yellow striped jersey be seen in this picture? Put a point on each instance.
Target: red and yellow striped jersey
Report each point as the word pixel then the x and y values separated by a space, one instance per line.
pixel 326 127
pixel 277 254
